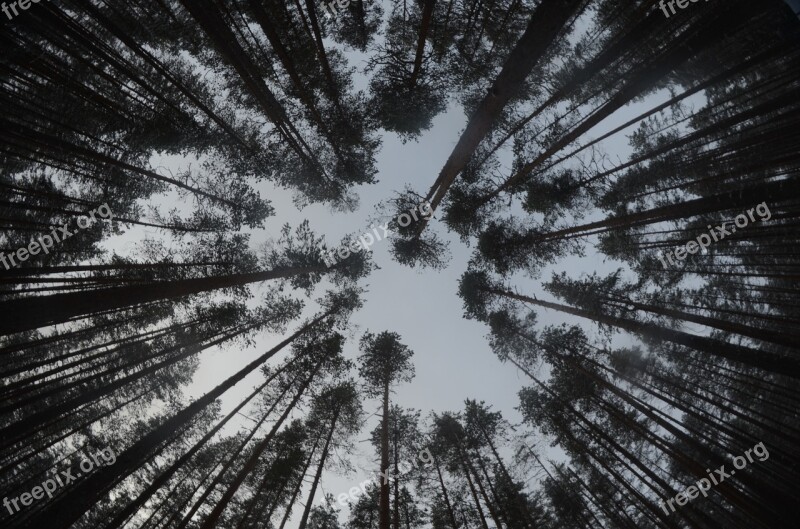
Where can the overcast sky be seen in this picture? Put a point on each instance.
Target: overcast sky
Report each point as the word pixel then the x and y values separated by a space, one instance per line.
pixel 452 357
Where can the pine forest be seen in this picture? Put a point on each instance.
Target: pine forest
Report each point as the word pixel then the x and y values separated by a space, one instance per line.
pixel 400 264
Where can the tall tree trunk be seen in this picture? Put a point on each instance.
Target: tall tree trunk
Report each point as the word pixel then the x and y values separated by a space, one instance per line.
pixel 781 365
pixel 33 422
pixel 158 482
pixel 299 485
pixel 320 467
pixel 396 479
pixel 385 501
pixel 427 14
pixel 447 503
pixel 34 312
pixel 475 498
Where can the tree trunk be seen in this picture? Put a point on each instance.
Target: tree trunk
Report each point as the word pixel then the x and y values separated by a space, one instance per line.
pixel 427 14
pixel 449 507
pixel 385 502
pixel 323 456
pixel 34 312
pixel 785 366
pixel 211 520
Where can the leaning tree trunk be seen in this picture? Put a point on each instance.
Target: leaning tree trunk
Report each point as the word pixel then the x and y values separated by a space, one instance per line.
pixel 773 363
pixel 323 456
pixel 427 15
pixel 156 484
pixel 447 503
pixel 299 485
pixel 385 501
pixel 34 312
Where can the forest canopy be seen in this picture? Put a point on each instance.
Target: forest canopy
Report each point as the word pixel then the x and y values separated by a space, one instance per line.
pixel 612 211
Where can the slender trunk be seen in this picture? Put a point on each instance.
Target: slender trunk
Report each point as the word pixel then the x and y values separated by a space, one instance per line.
pixel 475 498
pixel 427 15
pixel 447 503
pixel 33 422
pixel 143 496
pixel 34 312
pixel 385 502
pixel 320 468
pixel 396 479
pixel 212 519
pixel 299 485
pixel 781 365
